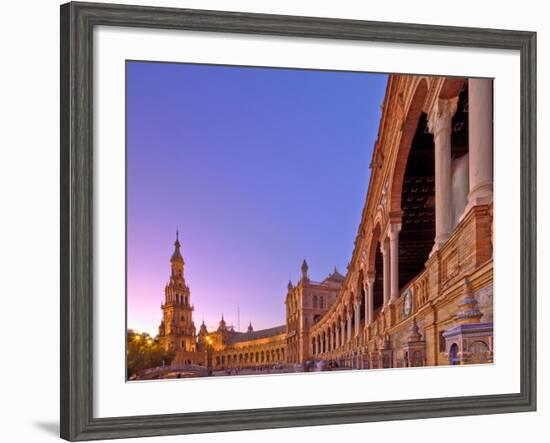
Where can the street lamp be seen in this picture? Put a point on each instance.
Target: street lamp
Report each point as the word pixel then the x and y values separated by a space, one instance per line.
pixel 209 355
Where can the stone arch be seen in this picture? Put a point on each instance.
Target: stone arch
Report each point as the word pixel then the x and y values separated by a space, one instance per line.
pixel 408 130
pixel 453 354
pixel 479 352
pixel 375 239
pixel 361 295
pixel 451 87
pixel 375 266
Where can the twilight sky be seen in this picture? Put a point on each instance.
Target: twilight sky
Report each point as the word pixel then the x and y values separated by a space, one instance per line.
pixel 258 168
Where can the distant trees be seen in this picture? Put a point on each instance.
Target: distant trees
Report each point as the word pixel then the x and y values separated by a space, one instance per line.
pixel 144 352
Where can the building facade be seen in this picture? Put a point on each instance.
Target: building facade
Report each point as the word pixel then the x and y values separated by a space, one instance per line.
pixel 419 287
pixel 250 349
pixel 306 303
pixel 418 290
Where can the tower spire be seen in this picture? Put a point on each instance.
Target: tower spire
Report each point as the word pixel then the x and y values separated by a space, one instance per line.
pixel 304 268
pixel 176 256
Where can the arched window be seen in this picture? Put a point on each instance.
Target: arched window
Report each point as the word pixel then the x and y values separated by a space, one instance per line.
pixel 453 354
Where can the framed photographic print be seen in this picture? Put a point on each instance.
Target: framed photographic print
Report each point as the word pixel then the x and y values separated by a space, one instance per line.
pixel 273 221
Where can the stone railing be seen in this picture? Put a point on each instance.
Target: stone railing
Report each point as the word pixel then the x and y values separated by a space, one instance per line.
pixel 469 246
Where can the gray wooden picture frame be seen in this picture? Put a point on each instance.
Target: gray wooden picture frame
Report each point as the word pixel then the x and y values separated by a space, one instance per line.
pixel 77 23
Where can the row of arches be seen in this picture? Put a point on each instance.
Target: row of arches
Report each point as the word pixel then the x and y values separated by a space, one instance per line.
pixel 251 358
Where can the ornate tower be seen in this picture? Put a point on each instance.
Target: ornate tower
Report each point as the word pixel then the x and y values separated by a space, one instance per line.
pixel 177 330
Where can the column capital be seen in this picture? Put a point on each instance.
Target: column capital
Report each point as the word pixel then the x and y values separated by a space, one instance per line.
pixel 371 275
pixel 393 230
pixel 384 247
pixel 441 114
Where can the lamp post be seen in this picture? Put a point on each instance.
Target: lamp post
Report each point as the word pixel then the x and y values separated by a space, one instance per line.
pixel 209 355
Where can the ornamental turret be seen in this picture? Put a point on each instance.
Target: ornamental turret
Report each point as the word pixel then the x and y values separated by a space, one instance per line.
pixel 222 326
pixel 203 330
pixel 305 267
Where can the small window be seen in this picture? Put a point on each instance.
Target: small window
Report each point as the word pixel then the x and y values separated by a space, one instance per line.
pixel 321 302
pixel 314 301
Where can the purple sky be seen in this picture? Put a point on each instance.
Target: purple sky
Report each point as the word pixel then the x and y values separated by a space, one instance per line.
pixel 257 167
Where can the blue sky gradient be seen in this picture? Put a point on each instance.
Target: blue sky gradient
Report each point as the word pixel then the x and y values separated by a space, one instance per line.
pixel 257 167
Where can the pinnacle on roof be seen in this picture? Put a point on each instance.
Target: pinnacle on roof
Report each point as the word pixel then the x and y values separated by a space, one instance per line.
pixel 176 256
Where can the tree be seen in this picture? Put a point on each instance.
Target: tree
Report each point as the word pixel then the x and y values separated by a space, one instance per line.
pixel 144 352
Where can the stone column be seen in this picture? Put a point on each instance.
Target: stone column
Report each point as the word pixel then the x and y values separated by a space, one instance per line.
pixel 480 141
pixel 370 299
pixel 343 331
pixel 357 314
pixel 349 324
pixel 394 257
pixel 321 342
pixel 440 125
pixel 367 307
pixel 336 337
pixel 386 270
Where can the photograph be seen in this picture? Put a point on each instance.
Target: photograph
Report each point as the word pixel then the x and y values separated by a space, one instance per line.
pixel 284 220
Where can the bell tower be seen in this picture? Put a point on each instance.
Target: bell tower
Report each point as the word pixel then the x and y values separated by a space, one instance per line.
pixel 177 331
